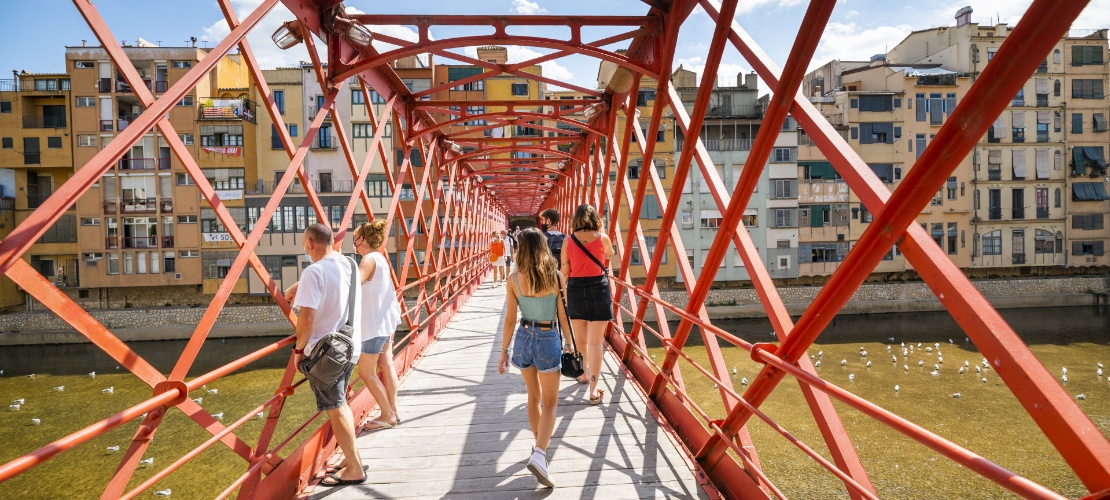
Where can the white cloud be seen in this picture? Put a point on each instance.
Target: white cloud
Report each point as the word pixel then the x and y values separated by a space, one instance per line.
pixel 551 69
pixel 845 41
pixel 751 5
pixel 527 8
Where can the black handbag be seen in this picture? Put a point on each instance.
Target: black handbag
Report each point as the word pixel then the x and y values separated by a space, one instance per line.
pixel 334 354
pixel 572 361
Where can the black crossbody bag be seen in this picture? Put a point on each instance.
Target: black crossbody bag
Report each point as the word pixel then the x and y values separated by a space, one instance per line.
pixel 572 361
pixel 334 354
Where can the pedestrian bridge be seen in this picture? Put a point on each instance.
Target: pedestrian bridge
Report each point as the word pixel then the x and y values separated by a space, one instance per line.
pixel 465 430
pixel 461 162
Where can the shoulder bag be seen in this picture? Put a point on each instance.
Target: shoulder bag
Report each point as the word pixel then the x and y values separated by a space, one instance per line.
pixel 335 353
pixel 572 361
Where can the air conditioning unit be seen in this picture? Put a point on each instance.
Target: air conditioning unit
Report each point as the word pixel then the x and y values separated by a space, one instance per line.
pixel 177 276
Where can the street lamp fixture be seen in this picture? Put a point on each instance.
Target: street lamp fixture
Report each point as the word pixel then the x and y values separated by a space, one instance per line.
pixel 354 32
pixel 288 35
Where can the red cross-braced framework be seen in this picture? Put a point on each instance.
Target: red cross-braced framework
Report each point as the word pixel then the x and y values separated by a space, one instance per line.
pixel 473 183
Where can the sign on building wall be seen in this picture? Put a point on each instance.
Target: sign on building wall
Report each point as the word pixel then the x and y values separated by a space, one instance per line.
pixel 230 194
pixel 225 150
pixel 217 237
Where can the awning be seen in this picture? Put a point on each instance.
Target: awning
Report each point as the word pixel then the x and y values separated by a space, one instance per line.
pixel 1089 191
pixel 1083 157
pixel 938 230
pixel 1100 121
pixel 1019 163
pixel 952 230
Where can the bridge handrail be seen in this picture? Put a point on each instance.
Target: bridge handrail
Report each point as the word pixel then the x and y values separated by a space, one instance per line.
pixel 958 454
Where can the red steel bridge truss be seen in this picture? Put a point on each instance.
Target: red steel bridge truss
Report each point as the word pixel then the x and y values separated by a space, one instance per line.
pixel 476 192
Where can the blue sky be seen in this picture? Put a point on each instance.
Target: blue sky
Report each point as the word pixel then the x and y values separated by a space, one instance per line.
pixel 37 32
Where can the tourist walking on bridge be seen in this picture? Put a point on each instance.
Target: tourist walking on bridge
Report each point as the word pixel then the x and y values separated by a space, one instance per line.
pixel 497 258
pixel 325 307
pixel 537 350
pixel 585 263
pixel 381 314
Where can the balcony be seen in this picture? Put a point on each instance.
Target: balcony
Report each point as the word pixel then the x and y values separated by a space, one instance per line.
pixel 44 122
pixel 937 80
pixel 32 158
pixel 35 200
pixel 140 242
pixel 161 85
pixel 123 121
pixel 1017 213
pixel 312 110
pixel 167 242
pixel 994 214
pixel 735 111
pixel 111 242
pixel 122 86
pixel 1042 213
pixel 1018 258
pixel 139 206
pixel 226 109
pixel 1042 136
pixel 1018 102
pixel 144 164
pixel 104 85
pixel 324 141
pixel 106 125
pixel 1042 100
pixel 110 207
pixel 728 144
pixel 341 186
pixel 165 204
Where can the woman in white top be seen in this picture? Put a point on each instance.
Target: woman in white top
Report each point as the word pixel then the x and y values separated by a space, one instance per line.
pixel 381 314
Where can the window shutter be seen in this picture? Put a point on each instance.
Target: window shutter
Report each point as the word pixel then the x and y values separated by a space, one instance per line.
pixel 1019 119
pixel 1019 163
pixel 1041 156
pixel 853 103
pixel 855 132
pixel 920 109
pixel 897 102
pixel 1098 248
pixel 1042 85
pixel 1077 123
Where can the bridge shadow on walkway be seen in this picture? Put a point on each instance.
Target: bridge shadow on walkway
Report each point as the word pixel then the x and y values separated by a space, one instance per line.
pixel 465 430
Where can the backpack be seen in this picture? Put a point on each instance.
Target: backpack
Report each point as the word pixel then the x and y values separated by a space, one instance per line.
pixel 555 243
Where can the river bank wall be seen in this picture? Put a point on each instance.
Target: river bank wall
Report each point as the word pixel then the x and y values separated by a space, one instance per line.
pixel 259 320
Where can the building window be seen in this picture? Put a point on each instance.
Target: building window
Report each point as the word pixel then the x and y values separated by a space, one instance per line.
pixel 1077 123
pixel 182 64
pixel 279 100
pixel 186 101
pixel 221 135
pixel 186 219
pixel 90 221
pixel 782 155
pixel 83 64
pixel 86 102
pixel 7 143
pixel 86 140
pixel 189 254
pixel 113 263
pixel 992 243
pixel 1087 89
pixel 520 89
pixel 362 130
pixel 687 217
pixel 186 139
pixel 785 188
pixel 1082 55
pixel 5 106
pixel 54 142
pixel 183 179
pixel 357 97
pixel 225 178
pixel 950 188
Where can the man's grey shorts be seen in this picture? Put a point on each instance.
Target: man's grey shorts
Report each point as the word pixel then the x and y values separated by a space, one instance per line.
pixel 330 398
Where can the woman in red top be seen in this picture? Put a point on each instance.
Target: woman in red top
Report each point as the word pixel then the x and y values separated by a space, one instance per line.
pixel 497 258
pixel 585 263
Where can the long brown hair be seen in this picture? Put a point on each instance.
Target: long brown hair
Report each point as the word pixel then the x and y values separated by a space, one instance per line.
pixel 534 260
pixel 585 219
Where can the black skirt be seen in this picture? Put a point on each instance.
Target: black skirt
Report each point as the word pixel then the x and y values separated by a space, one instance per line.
pixel 588 298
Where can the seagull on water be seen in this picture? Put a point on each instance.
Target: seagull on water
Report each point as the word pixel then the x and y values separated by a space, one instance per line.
pixel 897 388
pixel 163 493
pixel 962 369
pixel 852 377
pixel 213 391
pixel 934 373
pixel 198 400
pixel 893 358
pixel 817 364
pixel 35 421
pixel 906 368
pixel 220 415
pixel 1063 371
pixel 843 362
pixel 110 390
pixel 18 401
pixel 1081 397
pixel 890 339
pixel 921 363
pixel 60 388
pixel 869 364
pixel 956 395
pixel 13 407
pixel 92 375
pixel 259 414
pixel 31 376
pixel 984 380
pixel 744 381
pixel 1099 372
pixel 1064 378
pixel 734 370
pixel 113 449
pixel 147 461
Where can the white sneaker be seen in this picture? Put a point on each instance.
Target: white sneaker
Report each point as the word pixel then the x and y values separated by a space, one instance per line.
pixel 537 464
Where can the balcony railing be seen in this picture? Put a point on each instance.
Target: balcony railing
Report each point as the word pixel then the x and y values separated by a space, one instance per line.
pixel 1018 101
pixel 166 204
pixel 1042 213
pixel 111 242
pixel 110 206
pixel 144 163
pixel 1042 100
pixel 167 242
pixel 1042 136
pixel 312 110
pixel 339 186
pixel 32 158
pixel 140 242
pixel 1018 213
pixel 161 85
pixel 44 122
pixel 106 125
pixel 937 80
pixel 104 85
pixel 124 121
pixel 740 111
pixel 1019 258
pixel 728 144
pixel 122 86
pixel 995 214
pixel 139 205
pixel 324 141
pixel 227 110
pixel 35 200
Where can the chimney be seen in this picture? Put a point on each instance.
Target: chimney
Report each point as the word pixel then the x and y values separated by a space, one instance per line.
pixel 963 16
pixel 750 81
pixel 493 54
pixel 84 43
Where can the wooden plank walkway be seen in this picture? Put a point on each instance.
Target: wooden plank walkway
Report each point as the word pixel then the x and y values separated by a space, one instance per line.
pixel 465 430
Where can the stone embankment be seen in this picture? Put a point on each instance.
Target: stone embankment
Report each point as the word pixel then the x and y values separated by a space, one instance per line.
pixel 169 323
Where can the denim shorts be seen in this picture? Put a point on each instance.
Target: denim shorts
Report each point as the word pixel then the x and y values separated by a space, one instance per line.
pixel 330 398
pixel 539 347
pixel 375 345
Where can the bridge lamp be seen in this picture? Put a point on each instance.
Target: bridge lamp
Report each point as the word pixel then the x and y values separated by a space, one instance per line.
pixel 288 35
pixel 354 32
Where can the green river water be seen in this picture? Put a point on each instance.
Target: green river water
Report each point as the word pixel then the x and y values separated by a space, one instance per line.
pixel 986 419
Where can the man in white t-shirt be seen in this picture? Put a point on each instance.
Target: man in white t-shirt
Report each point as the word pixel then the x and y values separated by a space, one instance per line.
pixel 321 298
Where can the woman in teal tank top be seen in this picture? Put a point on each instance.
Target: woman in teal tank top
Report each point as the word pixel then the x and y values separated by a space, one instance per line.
pixel 537 349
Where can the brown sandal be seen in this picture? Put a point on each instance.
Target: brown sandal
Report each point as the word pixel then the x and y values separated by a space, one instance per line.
pixel 596 400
